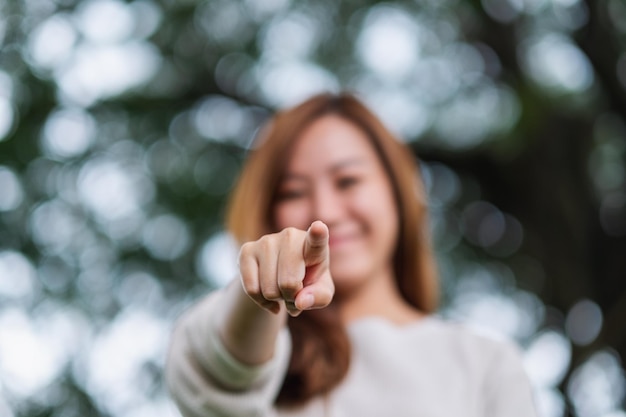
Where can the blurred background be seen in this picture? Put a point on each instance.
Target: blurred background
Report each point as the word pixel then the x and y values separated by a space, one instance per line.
pixel 123 125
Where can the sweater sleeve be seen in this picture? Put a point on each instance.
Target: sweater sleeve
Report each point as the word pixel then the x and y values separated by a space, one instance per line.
pixel 508 390
pixel 205 380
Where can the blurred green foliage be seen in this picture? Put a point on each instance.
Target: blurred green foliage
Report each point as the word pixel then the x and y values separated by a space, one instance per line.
pixel 123 125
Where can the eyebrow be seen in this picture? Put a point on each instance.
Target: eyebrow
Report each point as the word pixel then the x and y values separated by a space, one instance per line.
pixel 333 169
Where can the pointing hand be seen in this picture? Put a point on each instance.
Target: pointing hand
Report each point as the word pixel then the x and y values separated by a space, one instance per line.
pixel 291 266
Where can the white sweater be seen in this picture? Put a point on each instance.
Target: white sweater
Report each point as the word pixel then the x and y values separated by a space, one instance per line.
pixel 429 368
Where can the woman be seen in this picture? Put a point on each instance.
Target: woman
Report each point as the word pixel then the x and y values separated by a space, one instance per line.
pixel 330 207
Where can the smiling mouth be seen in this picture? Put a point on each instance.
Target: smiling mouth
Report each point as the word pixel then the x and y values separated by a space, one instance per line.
pixel 335 241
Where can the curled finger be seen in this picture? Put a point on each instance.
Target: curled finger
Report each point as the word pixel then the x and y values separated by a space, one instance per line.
pixel 249 271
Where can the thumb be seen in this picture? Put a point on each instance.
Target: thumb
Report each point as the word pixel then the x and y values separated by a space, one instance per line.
pixel 316 244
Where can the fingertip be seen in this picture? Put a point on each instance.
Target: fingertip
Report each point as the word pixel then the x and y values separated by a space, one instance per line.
pixel 318 225
pixel 271 306
pixel 292 309
pixel 317 295
pixel 318 231
pixel 305 302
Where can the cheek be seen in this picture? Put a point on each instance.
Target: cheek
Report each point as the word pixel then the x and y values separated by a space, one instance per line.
pixel 378 202
pixel 382 211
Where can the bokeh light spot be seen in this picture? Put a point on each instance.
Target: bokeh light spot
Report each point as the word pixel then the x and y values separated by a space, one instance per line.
pixel 51 43
pixel 17 276
pixel 547 358
pixel 147 17
pixel 613 214
pixel 55 274
pixel 224 22
pixel 68 133
pixel 556 63
pixel 113 191
pixel 597 386
pixel 54 225
pixel 12 193
pixel 476 113
pixel 442 183
pixel 389 42
pixel 549 402
pixel 293 36
pixel 217 260
pixel 105 21
pixel 286 83
pixel 434 80
pixel 262 9
pixel 26 366
pixel 215 172
pixel 405 116
pixel 219 118
pixel 166 237
pixel 116 366
pixel 7 115
pixel 102 71
pixel 583 322
pixel 486 226
pixel 504 11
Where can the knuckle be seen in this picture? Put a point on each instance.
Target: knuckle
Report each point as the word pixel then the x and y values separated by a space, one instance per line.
pixel 245 250
pixel 250 289
pixel 289 233
pixel 266 242
pixel 271 293
pixel 267 305
pixel 263 241
pixel 291 285
pixel 247 279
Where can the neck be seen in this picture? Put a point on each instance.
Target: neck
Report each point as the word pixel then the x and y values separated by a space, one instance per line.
pixel 380 297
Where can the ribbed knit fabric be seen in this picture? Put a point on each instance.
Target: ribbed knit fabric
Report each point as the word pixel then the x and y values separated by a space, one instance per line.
pixel 430 368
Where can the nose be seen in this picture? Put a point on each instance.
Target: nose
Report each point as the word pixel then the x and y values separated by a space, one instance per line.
pixel 328 205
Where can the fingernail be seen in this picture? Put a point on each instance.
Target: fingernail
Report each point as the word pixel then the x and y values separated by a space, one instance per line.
pixel 306 302
pixel 294 313
pixel 272 307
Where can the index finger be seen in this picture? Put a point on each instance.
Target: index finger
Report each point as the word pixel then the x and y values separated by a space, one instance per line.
pixel 316 244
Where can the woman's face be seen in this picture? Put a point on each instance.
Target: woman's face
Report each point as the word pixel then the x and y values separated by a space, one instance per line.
pixel 335 175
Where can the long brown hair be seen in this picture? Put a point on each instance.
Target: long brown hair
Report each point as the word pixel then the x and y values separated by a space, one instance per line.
pixel 321 349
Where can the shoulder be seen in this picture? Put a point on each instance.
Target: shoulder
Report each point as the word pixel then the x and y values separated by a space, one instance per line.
pixel 449 344
pixel 467 335
pixel 470 341
pixel 434 337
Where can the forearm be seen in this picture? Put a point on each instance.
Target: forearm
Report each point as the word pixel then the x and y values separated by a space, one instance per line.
pixel 246 330
pixel 205 378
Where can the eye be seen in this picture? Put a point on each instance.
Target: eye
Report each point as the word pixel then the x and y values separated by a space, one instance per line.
pixel 347 182
pixel 290 194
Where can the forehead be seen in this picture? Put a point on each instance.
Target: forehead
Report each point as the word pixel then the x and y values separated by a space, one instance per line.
pixel 329 140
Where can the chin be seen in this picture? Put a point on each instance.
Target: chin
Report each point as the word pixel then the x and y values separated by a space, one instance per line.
pixel 347 280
